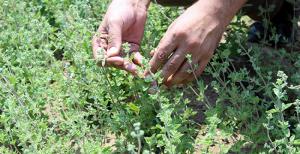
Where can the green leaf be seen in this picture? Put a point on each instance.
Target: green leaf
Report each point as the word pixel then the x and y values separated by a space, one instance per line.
pixel 12 80
pixel 272 111
pixel 296 142
pixel 286 106
pixel 134 108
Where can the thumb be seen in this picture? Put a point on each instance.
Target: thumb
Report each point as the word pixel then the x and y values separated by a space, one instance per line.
pixel 115 40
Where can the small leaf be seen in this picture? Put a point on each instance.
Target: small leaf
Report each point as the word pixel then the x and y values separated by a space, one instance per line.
pixel 12 80
pixel 286 106
pixel 296 142
pixel 272 111
pixel 134 108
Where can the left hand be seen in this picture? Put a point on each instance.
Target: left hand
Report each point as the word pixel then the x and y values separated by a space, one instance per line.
pixel 123 22
pixel 196 32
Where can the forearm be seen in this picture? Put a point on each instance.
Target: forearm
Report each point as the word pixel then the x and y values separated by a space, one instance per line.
pixel 143 3
pixel 140 4
pixel 222 10
pixel 174 2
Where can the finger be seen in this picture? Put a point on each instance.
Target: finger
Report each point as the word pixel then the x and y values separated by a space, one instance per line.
pixel 183 73
pixel 98 41
pixel 121 63
pixel 152 52
pixel 129 67
pixel 114 61
pixel 114 39
pixel 164 50
pixel 174 63
pixel 198 72
pixel 137 58
pixel 111 62
pixel 103 37
pixel 103 43
pixel 179 76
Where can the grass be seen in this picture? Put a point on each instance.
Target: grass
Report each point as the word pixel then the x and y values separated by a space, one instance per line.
pixel 54 99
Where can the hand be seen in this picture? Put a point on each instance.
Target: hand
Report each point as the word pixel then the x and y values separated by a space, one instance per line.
pixel 123 22
pixel 196 32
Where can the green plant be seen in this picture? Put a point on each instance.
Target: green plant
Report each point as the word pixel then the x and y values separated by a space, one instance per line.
pixel 55 99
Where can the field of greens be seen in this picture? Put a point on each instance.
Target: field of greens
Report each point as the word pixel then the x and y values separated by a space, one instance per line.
pixel 55 99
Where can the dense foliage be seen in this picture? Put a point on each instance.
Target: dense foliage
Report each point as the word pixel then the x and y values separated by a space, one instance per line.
pixel 55 99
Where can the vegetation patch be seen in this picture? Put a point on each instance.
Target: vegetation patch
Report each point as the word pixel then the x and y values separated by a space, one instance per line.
pixel 55 99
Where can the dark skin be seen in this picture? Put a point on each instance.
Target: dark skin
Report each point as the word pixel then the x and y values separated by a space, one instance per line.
pixel 196 32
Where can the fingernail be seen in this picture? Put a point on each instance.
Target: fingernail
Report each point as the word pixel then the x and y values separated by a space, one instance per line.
pixel 170 78
pixel 112 51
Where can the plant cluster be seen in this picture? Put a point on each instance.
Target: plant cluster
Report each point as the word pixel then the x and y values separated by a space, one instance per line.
pixel 55 99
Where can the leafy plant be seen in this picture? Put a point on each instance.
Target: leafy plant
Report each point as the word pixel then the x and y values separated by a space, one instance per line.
pixel 55 99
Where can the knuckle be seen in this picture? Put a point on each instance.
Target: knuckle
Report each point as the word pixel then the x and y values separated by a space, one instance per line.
pixel 161 56
pixel 180 34
pixel 194 43
pixel 171 66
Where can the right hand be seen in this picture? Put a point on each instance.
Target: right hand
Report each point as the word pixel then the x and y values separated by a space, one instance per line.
pixel 123 22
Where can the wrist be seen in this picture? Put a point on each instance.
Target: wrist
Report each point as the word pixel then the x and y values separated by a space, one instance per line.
pixel 144 4
pixel 140 4
pixel 220 10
